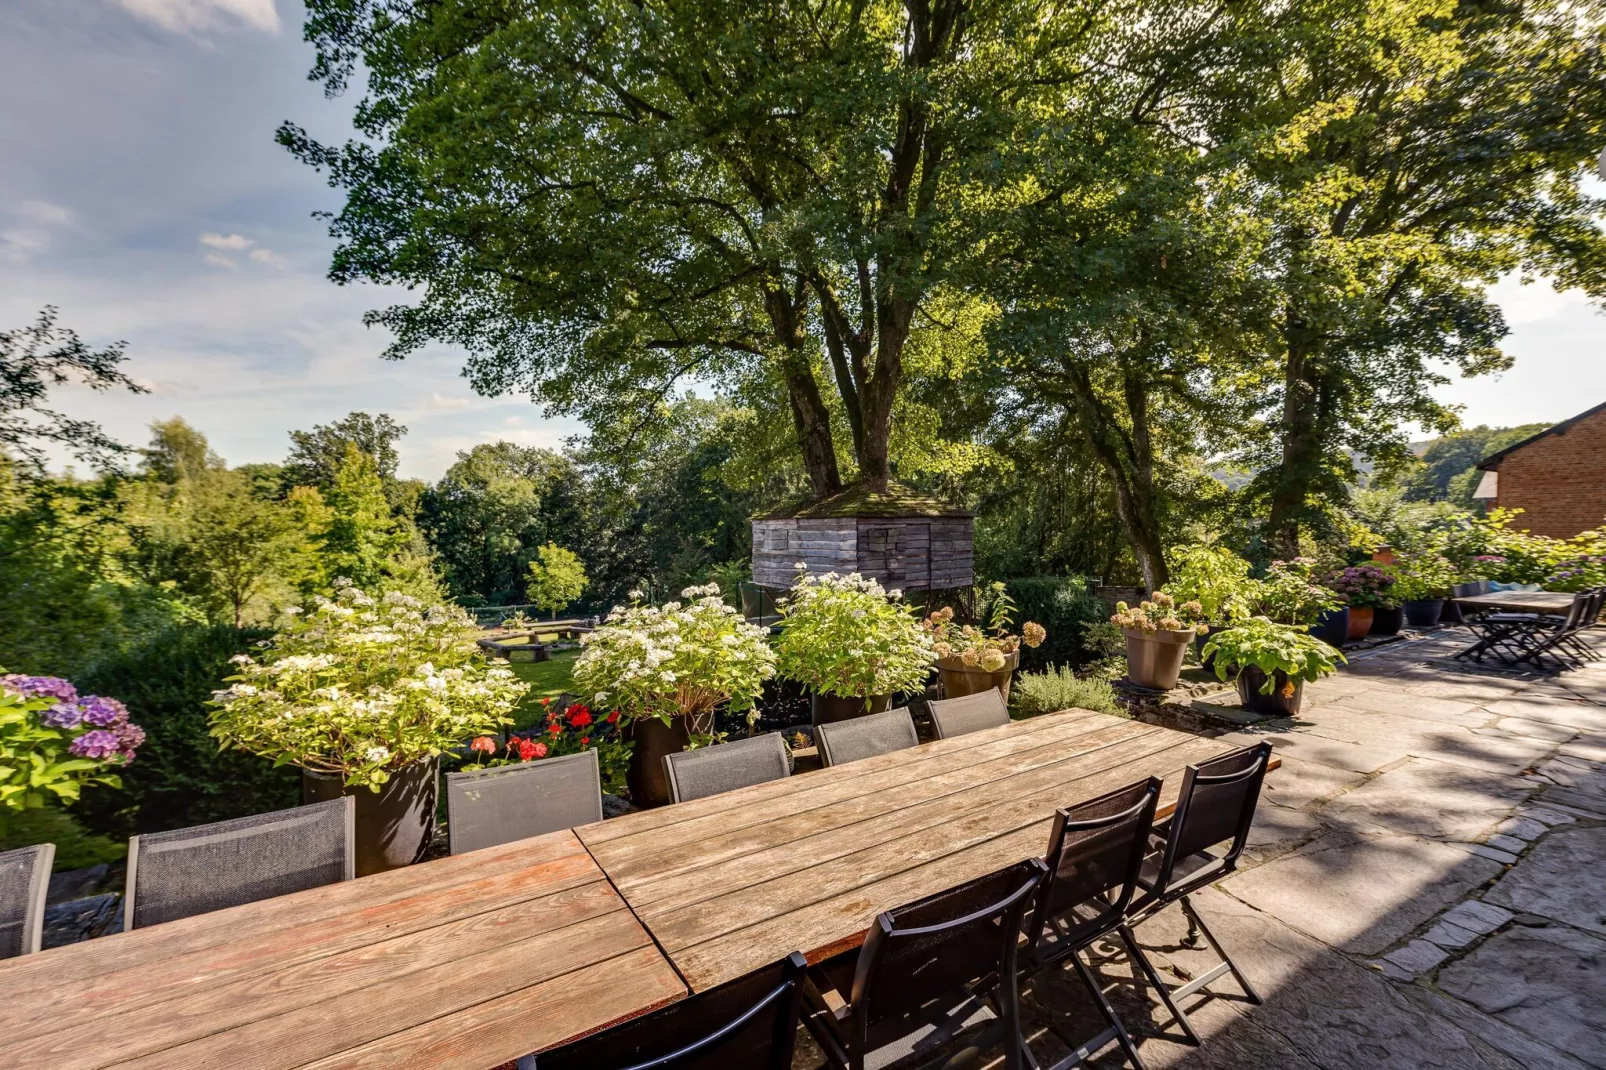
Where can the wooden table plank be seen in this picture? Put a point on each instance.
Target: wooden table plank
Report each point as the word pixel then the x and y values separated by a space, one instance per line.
pixel 153 965
pixel 806 863
pixel 1555 602
pixel 343 988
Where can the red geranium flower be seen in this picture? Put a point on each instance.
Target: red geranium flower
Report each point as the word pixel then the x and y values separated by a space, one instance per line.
pixel 527 749
pixel 579 716
pixel 584 740
pixel 614 716
pixel 547 701
pixel 554 729
pixel 483 745
pixel 540 750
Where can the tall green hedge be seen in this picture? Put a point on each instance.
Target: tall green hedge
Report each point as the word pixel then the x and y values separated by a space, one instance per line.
pixel 180 777
pixel 1064 606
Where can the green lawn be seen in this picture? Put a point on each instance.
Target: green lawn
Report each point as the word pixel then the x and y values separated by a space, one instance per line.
pixel 547 679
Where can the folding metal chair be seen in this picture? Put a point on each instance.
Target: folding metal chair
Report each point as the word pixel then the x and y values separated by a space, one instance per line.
pixel 1538 636
pixel 1095 854
pixel 24 883
pixel 485 807
pixel 750 1023
pixel 928 975
pixel 175 874
pixel 971 713
pixel 865 737
pixel 723 767
pixel 1216 806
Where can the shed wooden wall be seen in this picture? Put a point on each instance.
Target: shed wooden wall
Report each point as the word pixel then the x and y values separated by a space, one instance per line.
pixel 912 553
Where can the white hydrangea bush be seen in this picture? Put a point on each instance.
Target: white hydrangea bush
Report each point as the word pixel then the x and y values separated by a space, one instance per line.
pixel 850 637
pixel 680 659
pixel 361 687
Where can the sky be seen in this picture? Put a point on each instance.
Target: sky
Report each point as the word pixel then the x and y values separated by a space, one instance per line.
pixel 141 193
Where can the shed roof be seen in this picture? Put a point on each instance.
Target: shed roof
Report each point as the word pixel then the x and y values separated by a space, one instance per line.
pixel 1493 460
pixel 859 499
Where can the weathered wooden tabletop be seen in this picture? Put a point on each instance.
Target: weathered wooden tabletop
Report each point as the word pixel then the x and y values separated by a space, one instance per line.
pixel 731 882
pixel 1556 602
pixel 463 962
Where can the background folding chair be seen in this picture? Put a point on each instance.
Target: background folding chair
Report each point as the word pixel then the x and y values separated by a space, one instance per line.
pixel 24 882
pixel 972 713
pixel 748 1023
pixel 694 774
pixel 485 807
pixel 175 874
pixel 1095 853
pixel 1215 806
pixel 928 974
pixel 865 737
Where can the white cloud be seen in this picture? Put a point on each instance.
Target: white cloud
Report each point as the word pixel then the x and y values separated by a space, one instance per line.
pixel 513 421
pixel 225 241
pixel 439 402
pixel 217 260
pixel 267 256
pixel 190 16
pixel 18 245
pixel 45 212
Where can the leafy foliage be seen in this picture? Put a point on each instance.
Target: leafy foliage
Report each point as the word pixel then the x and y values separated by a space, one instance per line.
pixel 1214 577
pixel 1272 648
pixel 1054 689
pixel 556 578
pixel 847 636
pixel 53 741
pixel 1065 608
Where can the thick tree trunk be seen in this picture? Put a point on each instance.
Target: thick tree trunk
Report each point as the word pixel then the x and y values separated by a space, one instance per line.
pixel 810 418
pixel 1301 441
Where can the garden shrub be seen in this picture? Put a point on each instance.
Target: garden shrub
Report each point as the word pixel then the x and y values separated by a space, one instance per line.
pixel 180 778
pixel 1065 608
pixel 76 848
pixel 1035 693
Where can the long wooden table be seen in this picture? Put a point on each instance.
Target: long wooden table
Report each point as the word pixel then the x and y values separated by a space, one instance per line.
pixel 465 962
pixel 729 883
pixel 1555 603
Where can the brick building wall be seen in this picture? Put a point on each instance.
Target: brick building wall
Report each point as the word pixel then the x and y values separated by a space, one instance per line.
pixel 1558 480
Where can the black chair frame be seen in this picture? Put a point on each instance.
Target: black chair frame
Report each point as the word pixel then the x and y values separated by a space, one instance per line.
pixel 1167 889
pixel 1081 934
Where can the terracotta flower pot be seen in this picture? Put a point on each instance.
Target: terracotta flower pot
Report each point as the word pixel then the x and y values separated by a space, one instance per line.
pixel 651 739
pixel 395 824
pixel 1154 659
pixel 1360 622
pixel 959 679
pixel 828 709
pixel 1282 702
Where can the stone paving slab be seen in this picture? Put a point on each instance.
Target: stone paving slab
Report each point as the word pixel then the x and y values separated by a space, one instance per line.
pixel 1299 783
pixel 1564 878
pixel 1362 895
pixel 1430 798
pixel 1548 982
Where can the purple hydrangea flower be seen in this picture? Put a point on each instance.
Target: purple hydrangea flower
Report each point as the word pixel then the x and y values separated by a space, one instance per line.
pixel 98 744
pixel 41 686
pixel 63 715
pixel 130 736
pixel 104 712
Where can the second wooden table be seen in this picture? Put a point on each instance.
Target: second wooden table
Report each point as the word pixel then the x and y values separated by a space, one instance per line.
pixel 729 883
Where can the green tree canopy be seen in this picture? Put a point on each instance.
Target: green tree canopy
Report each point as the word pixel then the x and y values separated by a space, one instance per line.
pixel 316 456
pixel 556 578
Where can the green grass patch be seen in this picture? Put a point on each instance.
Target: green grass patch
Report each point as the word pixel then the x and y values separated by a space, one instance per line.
pixel 547 679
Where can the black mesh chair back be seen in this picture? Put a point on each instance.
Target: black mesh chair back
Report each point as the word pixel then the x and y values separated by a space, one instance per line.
pixel 723 767
pixel 485 807
pixel 1217 802
pixel 865 737
pixel 175 874
pixel 749 1023
pixel 944 942
pixel 972 713
pixel 24 881
pixel 1095 853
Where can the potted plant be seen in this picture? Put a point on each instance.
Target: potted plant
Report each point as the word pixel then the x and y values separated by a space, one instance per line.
pixel 53 741
pixel 1290 595
pixel 1272 662
pixel 852 644
pixel 1218 580
pixel 1363 588
pixel 1422 582
pixel 1157 632
pixel 664 670
pixel 970 659
pixel 565 729
pixel 364 695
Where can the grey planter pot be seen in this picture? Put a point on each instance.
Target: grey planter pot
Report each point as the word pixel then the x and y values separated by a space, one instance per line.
pixel 828 709
pixel 394 824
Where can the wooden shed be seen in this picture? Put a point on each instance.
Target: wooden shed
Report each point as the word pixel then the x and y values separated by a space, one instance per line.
pixel 900 538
